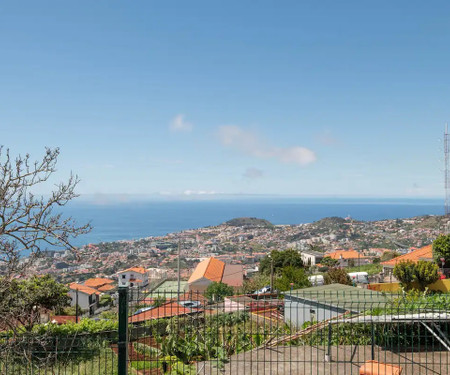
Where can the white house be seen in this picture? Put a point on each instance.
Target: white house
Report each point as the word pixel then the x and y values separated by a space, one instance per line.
pixel 311 258
pixel 88 298
pixel 134 277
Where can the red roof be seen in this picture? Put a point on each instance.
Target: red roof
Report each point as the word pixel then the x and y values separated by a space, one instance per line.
pixel 346 254
pixel 423 253
pixel 83 289
pixel 140 270
pixel 165 311
pixel 97 281
pixel 211 269
pixel 233 275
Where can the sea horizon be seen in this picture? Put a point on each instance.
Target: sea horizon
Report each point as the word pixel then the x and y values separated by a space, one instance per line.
pixel 132 220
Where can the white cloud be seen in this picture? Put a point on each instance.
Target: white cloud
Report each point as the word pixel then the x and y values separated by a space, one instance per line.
pixel 249 143
pixel 253 173
pixel 178 124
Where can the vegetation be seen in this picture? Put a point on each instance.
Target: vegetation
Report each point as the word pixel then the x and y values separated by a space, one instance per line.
pixel 27 223
pixel 280 260
pixel 371 269
pixel 216 291
pixel 388 255
pixel 416 275
pixel 441 249
pixel 257 282
pixel 292 278
pixel 249 222
pixel 329 262
pixel 26 299
pixel 337 276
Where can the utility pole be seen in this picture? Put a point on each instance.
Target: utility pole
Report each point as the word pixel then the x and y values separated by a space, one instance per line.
pixel 446 170
pixel 179 272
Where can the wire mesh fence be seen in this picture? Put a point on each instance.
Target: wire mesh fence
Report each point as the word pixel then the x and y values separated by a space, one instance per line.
pixel 331 329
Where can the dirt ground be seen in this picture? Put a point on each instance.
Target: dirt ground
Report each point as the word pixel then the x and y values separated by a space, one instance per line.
pixel 345 360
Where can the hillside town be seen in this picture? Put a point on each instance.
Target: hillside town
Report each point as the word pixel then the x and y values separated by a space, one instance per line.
pixel 241 242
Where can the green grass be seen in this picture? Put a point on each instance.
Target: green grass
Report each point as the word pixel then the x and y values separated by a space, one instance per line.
pixel 103 364
pixel 169 287
pixel 371 269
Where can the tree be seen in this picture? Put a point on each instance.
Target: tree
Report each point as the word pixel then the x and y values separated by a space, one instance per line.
pixel 29 222
pixel 257 282
pixel 426 273
pixel 26 299
pixel 329 262
pixel 105 300
pixel 441 249
pixel 405 273
pixel 337 276
pixel 291 275
pixel 421 273
pixel 388 255
pixel 280 260
pixel 216 291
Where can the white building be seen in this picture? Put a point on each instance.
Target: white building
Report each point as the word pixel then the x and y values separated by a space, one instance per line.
pixel 88 298
pixel 134 277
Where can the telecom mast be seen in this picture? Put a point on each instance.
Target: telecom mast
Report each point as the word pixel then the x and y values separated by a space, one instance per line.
pixel 446 171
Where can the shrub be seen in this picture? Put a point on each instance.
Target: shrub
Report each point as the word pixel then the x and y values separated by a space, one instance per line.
pixel 291 275
pixel 146 350
pixel 422 273
pixel 216 291
pixel 441 249
pixel 337 276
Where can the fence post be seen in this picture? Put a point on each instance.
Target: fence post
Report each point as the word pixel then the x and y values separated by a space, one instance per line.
pixel 122 344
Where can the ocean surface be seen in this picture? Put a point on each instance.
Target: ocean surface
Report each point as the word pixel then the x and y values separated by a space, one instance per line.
pixel 135 220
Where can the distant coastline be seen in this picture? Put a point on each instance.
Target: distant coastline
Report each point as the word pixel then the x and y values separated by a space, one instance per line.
pixel 141 219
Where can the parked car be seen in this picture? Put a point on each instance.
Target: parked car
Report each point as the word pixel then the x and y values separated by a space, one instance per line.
pixel 316 280
pixel 359 277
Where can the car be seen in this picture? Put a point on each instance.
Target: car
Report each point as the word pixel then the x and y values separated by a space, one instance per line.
pixel 263 290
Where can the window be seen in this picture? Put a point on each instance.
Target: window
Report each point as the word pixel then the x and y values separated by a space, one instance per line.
pixel 123 276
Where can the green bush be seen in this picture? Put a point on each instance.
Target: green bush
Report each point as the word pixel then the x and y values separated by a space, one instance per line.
pixel 337 276
pixel 416 275
pixel 147 350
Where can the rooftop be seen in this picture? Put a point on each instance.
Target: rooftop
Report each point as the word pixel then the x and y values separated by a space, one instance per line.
pixel 425 252
pixel 211 269
pixel 342 296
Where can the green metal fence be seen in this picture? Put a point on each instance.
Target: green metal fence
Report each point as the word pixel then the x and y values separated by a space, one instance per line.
pixel 322 330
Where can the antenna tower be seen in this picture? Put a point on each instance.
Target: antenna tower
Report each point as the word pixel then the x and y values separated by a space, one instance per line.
pixel 446 171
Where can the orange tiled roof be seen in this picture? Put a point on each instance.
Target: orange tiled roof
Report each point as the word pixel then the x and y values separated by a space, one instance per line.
pixel 106 288
pixel 141 270
pixel 346 254
pixel 83 289
pixel 62 319
pixel 211 269
pixel 97 281
pixel 425 252
pixel 168 310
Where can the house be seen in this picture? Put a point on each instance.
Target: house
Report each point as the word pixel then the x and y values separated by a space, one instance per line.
pixel 424 253
pixel 214 270
pixel 101 284
pixel 324 302
pixel 348 258
pixel 168 310
pixel 134 277
pixel 311 258
pixel 88 298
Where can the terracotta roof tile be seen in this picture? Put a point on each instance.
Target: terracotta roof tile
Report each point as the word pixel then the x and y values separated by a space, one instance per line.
pixel 97 281
pixel 106 288
pixel 165 311
pixel 346 254
pixel 211 269
pixel 233 275
pixel 84 289
pixel 140 270
pixel 425 252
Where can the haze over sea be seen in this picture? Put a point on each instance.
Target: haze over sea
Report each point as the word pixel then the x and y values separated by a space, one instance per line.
pixel 133 220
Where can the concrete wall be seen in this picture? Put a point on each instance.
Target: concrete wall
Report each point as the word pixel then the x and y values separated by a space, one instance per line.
pixel 199 286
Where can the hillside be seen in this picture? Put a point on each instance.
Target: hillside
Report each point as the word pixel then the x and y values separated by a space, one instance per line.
pixel 249 222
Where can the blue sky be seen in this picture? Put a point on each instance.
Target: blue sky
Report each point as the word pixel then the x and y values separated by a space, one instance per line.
pixel 188 98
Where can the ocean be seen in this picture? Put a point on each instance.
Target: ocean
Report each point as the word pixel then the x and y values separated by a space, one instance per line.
pixel 134 220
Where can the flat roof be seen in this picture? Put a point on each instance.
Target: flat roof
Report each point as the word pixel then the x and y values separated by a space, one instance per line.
pixel 343 296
